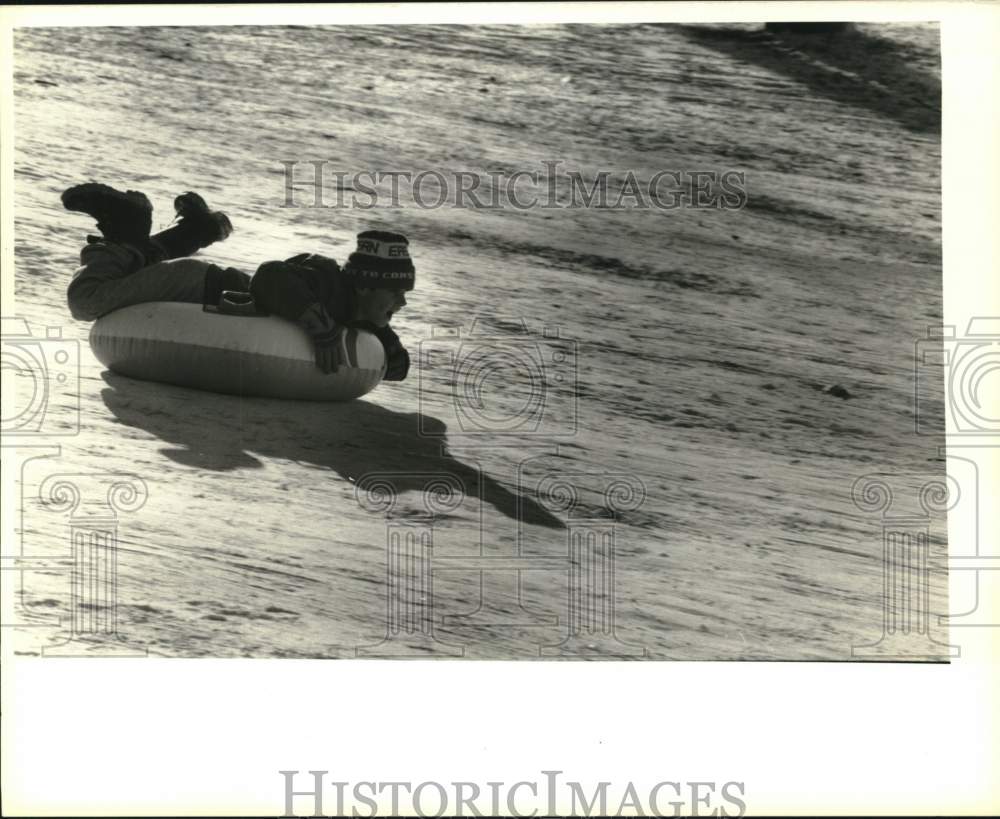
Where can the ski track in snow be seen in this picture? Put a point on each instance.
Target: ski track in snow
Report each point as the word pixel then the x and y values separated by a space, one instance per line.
pixel 704 338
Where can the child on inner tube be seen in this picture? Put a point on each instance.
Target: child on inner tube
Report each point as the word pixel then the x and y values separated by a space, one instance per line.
pixel 126 266
pixel 315 293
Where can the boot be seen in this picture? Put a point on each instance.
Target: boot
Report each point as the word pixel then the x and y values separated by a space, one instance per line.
pixel 198 227
pixel 123 218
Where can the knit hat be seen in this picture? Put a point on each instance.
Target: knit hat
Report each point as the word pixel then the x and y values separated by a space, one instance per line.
pixel 381 260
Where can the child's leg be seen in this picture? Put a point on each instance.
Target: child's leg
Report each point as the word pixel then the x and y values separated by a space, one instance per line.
pixel 113 276
pixel 128 267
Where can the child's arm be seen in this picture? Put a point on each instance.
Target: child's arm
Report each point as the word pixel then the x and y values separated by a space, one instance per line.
pixel 295 292
pixel 286 289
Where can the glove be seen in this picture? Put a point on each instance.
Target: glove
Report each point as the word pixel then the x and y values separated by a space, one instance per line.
pixel 326 337
pixel 329 350
pixel 397 365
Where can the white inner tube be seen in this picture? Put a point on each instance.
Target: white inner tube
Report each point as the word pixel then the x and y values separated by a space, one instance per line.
pixel 177 343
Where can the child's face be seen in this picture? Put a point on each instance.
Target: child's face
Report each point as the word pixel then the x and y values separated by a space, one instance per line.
pixel 378 304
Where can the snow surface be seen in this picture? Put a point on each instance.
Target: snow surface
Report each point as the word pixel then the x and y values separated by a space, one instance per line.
pixel 704 339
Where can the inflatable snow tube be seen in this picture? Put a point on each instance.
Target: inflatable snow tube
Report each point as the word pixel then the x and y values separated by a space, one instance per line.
pixel 181 344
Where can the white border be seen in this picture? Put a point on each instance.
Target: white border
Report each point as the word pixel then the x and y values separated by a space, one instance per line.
pixel 175 736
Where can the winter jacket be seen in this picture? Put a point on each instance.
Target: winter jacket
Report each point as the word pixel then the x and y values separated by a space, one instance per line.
pixel 288 288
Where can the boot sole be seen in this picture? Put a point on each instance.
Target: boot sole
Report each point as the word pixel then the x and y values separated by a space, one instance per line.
pixel 96 199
